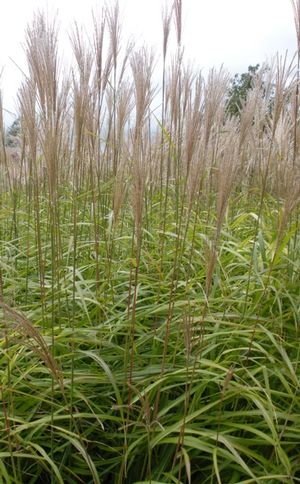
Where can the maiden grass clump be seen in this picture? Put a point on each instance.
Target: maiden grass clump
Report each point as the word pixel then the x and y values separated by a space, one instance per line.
pixel 149 270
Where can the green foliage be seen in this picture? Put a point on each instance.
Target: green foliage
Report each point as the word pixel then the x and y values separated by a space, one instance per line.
pixel 228 409
pixel 13 134
pixel 240 85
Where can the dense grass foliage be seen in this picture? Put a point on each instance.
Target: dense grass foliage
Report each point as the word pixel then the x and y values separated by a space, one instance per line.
pixel 149 269
pixel 99 397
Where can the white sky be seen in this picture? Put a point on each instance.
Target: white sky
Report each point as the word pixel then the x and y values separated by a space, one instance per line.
pixel 235 33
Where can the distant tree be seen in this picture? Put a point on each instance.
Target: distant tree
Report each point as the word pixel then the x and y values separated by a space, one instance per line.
pixel 240 85
pixel 13 134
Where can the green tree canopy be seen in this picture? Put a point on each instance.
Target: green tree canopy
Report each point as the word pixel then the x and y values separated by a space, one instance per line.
pixel 13 133
pixel 240 85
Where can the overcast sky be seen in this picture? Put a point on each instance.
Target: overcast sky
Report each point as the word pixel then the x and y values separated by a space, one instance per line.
pixel 234 33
